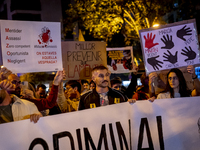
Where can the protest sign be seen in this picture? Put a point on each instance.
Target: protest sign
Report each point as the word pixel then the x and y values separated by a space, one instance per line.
pixel 165 124
pixel 170 46
pixel 80 57
pixel 29 46
pixel 120 60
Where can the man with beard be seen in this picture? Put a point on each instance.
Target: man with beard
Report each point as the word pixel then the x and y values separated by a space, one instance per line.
pixel 102 94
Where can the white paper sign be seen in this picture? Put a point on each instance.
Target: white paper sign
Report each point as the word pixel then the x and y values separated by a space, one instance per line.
pixel 120 60
pixel 165 124
pixel 80 57
pixel 29 46
pixel 169 47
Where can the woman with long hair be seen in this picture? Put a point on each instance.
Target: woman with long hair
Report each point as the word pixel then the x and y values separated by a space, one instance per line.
pixel 176 84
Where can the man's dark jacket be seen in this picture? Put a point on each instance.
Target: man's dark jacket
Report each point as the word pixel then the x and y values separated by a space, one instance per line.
pixel 92 98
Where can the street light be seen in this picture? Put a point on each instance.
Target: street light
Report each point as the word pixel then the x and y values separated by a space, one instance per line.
pixel 156 22
pixel 156 25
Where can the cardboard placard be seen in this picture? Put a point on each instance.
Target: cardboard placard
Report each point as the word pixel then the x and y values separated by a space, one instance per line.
pixel 80 57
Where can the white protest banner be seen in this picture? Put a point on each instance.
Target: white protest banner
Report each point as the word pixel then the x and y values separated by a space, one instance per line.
pixel 29 46
pixel 170 46
pixel 71 131
pixel 80 57
pixel 120 60
pixel 165 124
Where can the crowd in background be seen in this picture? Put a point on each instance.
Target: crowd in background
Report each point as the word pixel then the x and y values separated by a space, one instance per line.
pixel 19 102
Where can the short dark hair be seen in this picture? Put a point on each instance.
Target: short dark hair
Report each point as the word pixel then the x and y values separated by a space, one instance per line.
pixel 73 84
pixel 42 86
pixel 84 81
pixel 91 82
pixel 115 80
pixel 99 68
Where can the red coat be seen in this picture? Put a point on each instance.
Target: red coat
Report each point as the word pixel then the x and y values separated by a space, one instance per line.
pixel 46 103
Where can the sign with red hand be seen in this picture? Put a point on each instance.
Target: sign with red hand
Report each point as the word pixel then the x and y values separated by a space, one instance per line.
pixel 149 41
pixel 170 46
pixel 29 46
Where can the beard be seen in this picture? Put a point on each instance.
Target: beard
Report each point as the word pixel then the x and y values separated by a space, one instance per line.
pixel 103 85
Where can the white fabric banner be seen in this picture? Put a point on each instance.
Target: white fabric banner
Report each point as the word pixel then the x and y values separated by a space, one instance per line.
pixel 170 46
pixel 29 46
pixel 170 124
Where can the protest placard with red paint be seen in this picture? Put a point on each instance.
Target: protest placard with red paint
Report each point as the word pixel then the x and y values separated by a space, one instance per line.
pixel 170 46
pixel 120 59
pixel 29 46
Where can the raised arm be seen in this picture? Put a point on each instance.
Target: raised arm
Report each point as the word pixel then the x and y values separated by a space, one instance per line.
pixel 152 77
pixel 62 103
pixel 7 85
pixel 4 73
pixel 132 86
pixel 196 91
pixel 50 101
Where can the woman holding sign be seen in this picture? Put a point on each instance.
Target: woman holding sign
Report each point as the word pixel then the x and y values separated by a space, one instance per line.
pixel 176 84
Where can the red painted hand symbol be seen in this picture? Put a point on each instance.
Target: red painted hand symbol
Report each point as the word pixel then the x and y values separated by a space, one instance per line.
pixel 149 41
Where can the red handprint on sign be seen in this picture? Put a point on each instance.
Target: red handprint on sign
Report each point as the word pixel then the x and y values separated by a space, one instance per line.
pixel 149 41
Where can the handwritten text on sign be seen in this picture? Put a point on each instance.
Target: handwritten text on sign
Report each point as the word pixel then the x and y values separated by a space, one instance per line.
pixel 170 47
pixel 80 57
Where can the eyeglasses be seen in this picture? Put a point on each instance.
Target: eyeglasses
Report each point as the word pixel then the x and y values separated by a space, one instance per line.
pixel 16 82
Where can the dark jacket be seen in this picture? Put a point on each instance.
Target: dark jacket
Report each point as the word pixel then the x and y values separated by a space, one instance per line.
pixel 132 86
pixel 91 99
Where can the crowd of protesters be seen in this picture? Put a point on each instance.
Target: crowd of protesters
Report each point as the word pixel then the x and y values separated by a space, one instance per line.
pixel 18 103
